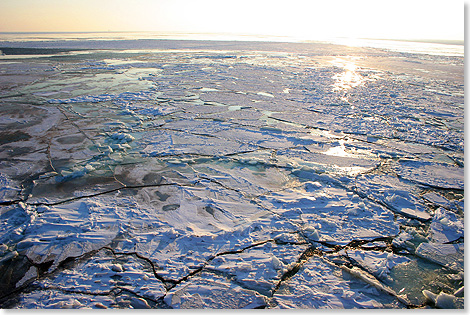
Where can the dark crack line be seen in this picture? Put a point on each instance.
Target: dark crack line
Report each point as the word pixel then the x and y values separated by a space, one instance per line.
pixel 170 283
pixel 378 202
pixel 212 156
pixel 101 193
pixel 11 202
pixel 62 110
pixel 309 252
pixel 116 291
pixel 201 268
pixel 12 95
pixel 49 157
pixel 152 264
pixel 313 251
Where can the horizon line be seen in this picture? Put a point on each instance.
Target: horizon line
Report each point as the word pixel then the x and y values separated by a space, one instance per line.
pixel 422 40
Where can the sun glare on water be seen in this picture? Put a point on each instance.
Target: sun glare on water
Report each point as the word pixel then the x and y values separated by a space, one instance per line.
pixel 347 79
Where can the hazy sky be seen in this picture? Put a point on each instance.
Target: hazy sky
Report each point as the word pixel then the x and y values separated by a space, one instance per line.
pixel 405 19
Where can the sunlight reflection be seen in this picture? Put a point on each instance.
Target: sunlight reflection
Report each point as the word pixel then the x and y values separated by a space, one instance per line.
pixel 342 151
pixel 339 150
pixel 349 78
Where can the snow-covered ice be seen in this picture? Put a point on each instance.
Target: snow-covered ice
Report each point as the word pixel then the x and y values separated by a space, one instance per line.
pixel 181 174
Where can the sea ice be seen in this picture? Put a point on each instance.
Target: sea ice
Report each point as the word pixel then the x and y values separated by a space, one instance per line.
pixel 273 261
pixel 217 175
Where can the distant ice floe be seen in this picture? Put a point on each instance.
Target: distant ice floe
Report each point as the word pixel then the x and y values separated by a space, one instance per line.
pixel 122 97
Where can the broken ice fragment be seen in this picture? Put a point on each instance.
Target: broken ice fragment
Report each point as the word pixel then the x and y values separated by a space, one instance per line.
pixel 122 137
pixel 437 199
pixel 442 300
pixel 30 274
pixel 139 303
pixel 447 255
pixel 311 233
pixel 377 263
pixel 116 268
pixel 446 226
pixel 265 94
pixel 437 175
pixel 459 292
pixel 405 206
pixel 431 297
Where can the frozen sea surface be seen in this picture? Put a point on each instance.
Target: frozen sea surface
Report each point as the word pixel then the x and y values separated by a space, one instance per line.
pixel 191 174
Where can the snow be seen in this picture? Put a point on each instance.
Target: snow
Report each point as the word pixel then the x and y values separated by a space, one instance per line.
pixel 214 292
pixel 267 176
pixel 333 215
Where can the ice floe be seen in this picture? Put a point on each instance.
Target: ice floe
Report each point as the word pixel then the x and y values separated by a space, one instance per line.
pixel 333 215
pixel 448 255
pixel 432 174
pixel 446 227
pixel 376 263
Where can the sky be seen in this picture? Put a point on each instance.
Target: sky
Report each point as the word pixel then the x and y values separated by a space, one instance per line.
pixel 307 19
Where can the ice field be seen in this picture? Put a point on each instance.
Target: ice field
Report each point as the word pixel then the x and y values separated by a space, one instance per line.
pixel 191 174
